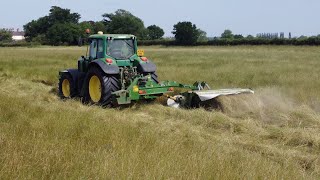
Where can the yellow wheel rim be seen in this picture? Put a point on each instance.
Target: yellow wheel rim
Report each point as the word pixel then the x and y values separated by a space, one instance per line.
pixel 95 89
pixel 66 88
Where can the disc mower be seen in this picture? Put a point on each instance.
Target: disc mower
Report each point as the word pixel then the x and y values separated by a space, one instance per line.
pixel 115 72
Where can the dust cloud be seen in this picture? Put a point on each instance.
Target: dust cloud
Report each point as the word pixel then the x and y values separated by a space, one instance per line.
pixel 267 104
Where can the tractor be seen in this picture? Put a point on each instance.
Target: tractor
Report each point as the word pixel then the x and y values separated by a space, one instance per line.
pixel 115 72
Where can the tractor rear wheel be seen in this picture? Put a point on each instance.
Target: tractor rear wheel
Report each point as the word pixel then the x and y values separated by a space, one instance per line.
pixel 99 87
pixel 67 87
pixel 154 77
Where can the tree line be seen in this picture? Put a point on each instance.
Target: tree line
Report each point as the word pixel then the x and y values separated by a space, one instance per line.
pixel 62 27
pixel 227 38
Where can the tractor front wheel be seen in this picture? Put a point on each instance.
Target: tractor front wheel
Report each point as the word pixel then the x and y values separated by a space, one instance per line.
pixel 67 87
pixel 99 87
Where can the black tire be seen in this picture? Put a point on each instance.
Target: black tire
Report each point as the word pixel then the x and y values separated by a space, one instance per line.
pixel 109 84
pixel 67 87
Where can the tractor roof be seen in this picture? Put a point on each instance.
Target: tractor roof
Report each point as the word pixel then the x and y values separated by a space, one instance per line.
pixel 116 36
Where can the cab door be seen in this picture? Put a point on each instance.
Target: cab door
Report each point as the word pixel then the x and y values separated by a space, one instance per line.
pixel 96 51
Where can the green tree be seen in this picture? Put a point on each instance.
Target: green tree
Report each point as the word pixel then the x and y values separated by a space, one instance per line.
pixel 227 34
pixel 238 36
pixel 5 35
pixel 250 37
pixel 185 33
pixel 202 36
pixel 57 15
pixel 99 26
pixel 64 34
pixel 144 34
pixel 155 32
pixel 86 25
pixel 36 28
pixel 303 37
pixel 94 27
pixel 60 15
pixel 123 22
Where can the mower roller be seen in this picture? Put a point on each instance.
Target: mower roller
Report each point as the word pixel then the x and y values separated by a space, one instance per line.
pixel 116 73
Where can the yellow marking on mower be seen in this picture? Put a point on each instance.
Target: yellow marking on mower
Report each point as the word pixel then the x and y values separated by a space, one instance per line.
pixel 95 89
pixel 135 89
pixel 66 88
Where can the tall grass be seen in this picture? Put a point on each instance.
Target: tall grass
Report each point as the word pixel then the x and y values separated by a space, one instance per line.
pixel 273 134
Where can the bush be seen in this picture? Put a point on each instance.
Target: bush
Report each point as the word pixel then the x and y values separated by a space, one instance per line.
pixel 311 41
pixel 5 36
pixel 17 44
pixel 157 42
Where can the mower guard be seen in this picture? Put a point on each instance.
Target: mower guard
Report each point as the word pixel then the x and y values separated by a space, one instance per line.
pixel 199 98
pixel 205 95
pixel 148 89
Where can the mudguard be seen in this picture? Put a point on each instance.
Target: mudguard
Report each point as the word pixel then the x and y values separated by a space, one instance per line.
pixel 148 67
pixel 74 74
pixel 108 69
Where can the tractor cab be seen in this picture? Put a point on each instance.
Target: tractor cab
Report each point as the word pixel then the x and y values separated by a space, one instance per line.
pixel 115 53
pixel 114 46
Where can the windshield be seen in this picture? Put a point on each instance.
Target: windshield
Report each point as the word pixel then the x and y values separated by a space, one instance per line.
pixel 120 48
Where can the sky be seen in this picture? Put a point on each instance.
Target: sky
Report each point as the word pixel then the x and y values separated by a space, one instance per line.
pixel 300 17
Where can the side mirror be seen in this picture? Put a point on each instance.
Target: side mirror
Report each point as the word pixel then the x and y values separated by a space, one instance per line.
pixel 140 52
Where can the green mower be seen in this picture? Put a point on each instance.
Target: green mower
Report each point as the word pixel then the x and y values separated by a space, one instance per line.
pixel 116 73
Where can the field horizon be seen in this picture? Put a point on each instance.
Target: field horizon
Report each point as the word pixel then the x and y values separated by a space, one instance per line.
pixel 272 134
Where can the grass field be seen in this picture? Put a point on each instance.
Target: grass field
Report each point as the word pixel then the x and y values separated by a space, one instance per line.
pixel 274 134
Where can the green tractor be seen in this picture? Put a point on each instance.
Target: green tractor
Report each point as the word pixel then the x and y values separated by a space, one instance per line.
pixel 116 73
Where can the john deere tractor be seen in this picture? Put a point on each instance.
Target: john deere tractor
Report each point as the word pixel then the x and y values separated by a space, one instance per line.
pixel 115 72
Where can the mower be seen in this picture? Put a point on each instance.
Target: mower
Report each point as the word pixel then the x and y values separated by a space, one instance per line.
pixel 115 72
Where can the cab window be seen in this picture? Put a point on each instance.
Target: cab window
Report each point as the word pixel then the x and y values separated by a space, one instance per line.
pixel 93 49
pixel 100 49
pixel 96 49
pixel 120 48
